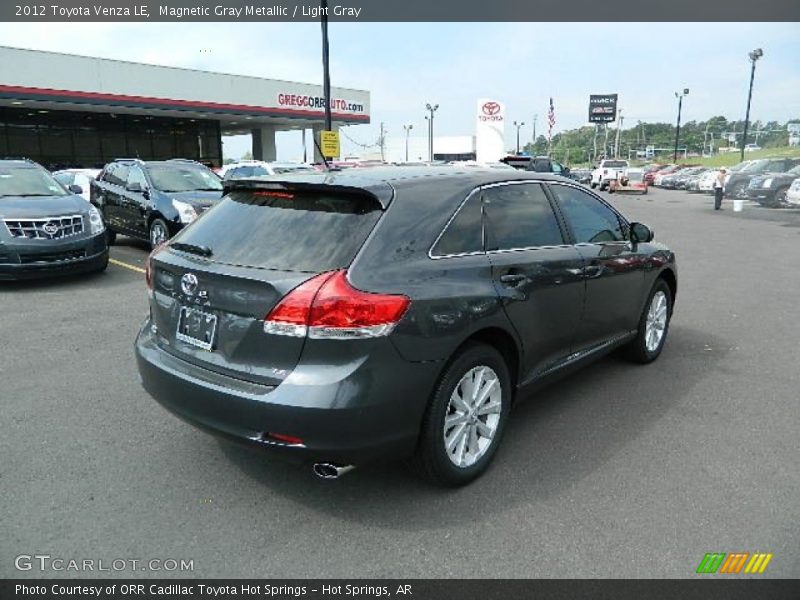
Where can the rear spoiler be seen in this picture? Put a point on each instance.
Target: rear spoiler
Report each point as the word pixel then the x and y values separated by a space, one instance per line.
pixel 379 191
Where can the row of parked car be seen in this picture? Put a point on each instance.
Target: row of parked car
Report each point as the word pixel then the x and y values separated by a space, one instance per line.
pixel 772 182
pixel 63 222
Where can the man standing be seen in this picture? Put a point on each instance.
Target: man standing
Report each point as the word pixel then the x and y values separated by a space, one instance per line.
pixel 719 188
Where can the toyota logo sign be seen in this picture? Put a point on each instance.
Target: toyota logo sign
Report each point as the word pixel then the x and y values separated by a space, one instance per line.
pixel 189 284
pixel 491 108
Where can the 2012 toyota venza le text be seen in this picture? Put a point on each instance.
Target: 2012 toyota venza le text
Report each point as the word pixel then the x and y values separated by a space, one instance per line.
pixel 346 317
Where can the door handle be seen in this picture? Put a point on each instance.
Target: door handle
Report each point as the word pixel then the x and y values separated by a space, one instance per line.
pixel 513 279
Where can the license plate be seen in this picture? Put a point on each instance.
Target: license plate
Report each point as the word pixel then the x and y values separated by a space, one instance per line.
pixel 196 327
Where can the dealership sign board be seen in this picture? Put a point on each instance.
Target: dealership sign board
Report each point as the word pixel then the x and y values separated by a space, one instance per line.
pixel 490 138
pixel 602 108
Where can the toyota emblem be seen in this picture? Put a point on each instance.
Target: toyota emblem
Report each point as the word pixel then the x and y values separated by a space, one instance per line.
pixel 189 284
pixel 50 228
pixel 491 108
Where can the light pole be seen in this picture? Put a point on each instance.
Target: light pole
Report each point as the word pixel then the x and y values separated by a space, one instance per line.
pixel 619 126
pixel 678 127
pixel 407 129
pixel 431 110
pixel 518 126
pixel 326 74
pixel 534 129
pixel 754 56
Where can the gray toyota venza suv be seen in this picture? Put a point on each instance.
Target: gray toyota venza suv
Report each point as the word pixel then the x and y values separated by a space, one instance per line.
pixel 347 317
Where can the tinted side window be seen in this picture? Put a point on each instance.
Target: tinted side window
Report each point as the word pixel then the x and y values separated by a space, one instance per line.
pixel 591 220
pixel 135 175
pixel 464 233
pixel 519 216
pixel 116 173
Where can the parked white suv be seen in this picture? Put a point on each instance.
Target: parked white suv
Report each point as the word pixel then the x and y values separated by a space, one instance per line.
pixel 793 195
pixel 257 168
pixel 607 171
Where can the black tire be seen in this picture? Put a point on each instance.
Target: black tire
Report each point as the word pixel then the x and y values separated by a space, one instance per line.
pixel 103 266
pixel 636 350
pixel 739 191
pixel 111 236
pixel 593 184
pixel 431 460
pixel 779 199
pixel 155 224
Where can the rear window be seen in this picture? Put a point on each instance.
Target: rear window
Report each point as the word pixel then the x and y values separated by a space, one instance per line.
pixel 287 231
pixel 615 164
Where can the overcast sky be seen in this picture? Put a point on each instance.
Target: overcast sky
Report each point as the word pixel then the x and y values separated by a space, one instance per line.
pixel 405 65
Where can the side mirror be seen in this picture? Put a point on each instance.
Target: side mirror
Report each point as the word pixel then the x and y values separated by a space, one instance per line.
pixel 566 170
pixel 135 187
pixel 641 233
pixel 75 189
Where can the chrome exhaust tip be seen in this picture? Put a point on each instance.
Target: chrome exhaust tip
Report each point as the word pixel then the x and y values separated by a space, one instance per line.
pixel 330 470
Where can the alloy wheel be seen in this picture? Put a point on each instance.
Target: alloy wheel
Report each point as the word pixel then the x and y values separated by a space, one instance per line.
pixel 158 234
pixel 656 322
pixel 473 416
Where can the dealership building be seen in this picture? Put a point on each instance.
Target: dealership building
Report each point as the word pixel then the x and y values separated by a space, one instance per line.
pixel 64 110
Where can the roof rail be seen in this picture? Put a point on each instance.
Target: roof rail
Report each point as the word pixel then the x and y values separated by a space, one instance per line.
pixel 136 160
pixel 24 158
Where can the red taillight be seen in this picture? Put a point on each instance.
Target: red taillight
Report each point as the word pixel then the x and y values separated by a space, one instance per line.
pixel 328 307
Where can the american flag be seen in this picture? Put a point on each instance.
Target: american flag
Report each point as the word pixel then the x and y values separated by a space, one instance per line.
pixel 551 120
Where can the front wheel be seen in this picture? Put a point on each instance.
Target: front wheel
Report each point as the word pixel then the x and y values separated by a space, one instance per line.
pixel 465 418
pixel 159 232
pixel 653 325
pixel 779 200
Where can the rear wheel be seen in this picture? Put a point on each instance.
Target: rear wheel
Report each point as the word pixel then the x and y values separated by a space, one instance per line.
pixel 465 419
pixel 159 232
pixel 653 325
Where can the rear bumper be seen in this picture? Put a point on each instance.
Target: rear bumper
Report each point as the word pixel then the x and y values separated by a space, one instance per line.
pixel 43 258
pixel 353 413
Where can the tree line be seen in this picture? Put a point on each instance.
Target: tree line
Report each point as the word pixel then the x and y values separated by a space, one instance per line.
pixel 586 144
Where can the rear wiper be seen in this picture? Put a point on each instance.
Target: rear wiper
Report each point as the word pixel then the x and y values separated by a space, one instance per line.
pixel 192 248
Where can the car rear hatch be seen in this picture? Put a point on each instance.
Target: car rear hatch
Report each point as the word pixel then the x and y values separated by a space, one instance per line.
pixel 214 283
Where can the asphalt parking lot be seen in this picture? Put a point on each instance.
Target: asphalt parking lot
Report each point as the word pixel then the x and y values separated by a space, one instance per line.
pixel 620 471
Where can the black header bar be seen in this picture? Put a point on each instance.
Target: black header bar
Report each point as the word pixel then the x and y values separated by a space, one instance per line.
pixel 405 11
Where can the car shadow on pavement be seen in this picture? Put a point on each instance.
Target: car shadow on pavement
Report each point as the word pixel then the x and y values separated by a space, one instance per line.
pixel 555 438
pixel 64 283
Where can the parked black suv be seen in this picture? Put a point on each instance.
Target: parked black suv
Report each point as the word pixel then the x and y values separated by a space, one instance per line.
pixel 46 229
pixel 738 182
pixel 770 189
pixel 350 316
pixel 153 200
